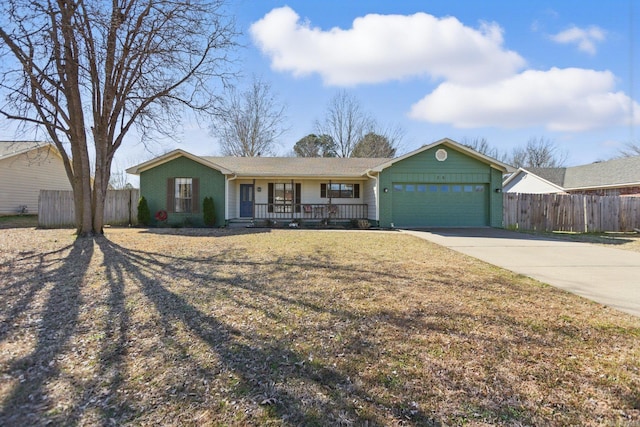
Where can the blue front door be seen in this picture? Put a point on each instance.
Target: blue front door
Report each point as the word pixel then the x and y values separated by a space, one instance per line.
pixel 246 200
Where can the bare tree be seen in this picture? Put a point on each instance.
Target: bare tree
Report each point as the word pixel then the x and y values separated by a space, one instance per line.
pixel 118 179
pixel 630 150
pixel 89 72
pixel 345 122
pixel 538 153
pixel 250 122
pixel 313 145
pixel 481 145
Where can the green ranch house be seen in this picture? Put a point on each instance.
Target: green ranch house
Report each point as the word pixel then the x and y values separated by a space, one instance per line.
pixel 443 184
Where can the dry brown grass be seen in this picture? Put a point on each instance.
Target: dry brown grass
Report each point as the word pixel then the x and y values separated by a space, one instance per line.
pixel 182 327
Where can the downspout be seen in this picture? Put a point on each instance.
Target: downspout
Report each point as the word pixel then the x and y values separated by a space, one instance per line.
pixel 376 193
pixel 226 197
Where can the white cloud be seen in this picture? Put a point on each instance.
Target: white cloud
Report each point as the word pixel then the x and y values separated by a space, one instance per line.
pixel 379 48
pixel 570 99
pixel 585 38
pixel 483 83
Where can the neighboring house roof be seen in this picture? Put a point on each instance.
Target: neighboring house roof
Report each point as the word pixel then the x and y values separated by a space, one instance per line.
pixel 617 172
pixel 10 149
pixel 14 148
pixel 614 173
pixel 552 175
pixel 297 166
pixel 546 180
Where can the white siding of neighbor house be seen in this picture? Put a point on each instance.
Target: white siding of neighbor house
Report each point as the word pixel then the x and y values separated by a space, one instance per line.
pixel 530 184
pixel 23 176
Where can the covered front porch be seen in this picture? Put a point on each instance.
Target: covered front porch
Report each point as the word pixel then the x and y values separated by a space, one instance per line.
pixel 298 201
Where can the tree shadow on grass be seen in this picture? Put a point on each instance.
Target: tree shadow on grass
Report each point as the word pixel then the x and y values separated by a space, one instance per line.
pixel 192 361
pixel 266 368
pixel 27 400
pixel 270 373
pixel 17 292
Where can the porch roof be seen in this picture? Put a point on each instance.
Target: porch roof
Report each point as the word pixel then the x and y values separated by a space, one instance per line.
pixel 313 167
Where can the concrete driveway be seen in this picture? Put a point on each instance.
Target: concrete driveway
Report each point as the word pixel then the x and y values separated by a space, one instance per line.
pixel 604 274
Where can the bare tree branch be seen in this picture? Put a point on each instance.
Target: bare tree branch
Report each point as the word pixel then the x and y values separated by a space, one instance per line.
pixel 538 153
pixel 250 122
pixel 345 122
pixel 88 72
pixel 630 150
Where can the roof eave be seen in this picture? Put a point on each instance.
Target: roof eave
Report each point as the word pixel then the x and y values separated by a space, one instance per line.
pixel 47 145
pixel 493 163
pixel 172 155
pixel 525 171
pixel 314 176
pixel 596 187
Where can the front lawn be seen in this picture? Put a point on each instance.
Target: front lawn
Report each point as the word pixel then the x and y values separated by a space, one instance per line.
pixel 296 327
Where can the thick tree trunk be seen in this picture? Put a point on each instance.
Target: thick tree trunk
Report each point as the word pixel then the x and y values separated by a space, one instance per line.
pixel 100 184
pixel 99 195
pixel 87 228
pixel 81 186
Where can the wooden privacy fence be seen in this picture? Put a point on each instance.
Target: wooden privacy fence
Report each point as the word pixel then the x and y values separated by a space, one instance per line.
pixel 55 208
pixel 571 212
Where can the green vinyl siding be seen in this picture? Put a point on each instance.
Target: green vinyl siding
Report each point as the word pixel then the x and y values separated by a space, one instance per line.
pixel 153 186
pixel 450 205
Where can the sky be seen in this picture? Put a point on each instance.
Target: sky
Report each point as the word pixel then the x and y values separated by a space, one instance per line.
pixel 563 70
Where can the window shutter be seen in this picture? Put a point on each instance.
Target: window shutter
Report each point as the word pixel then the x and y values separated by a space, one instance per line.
pixel 297 200
pixel 356 191
pixel 195 195
pixel 270 199
pixel 171 196
pixel 323 191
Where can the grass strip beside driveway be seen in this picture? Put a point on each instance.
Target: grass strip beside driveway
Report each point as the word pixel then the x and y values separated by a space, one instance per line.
pixel 283 327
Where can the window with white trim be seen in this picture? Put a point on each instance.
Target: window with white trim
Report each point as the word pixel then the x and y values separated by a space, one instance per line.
pixel 183 195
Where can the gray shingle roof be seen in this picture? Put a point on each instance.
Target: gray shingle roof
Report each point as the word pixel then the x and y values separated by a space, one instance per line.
pixel 553 175
pixel 612 172
pixel 297 166
pixel 616 172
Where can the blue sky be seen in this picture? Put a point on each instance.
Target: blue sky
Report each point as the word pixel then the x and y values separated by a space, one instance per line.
pixel 504 71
